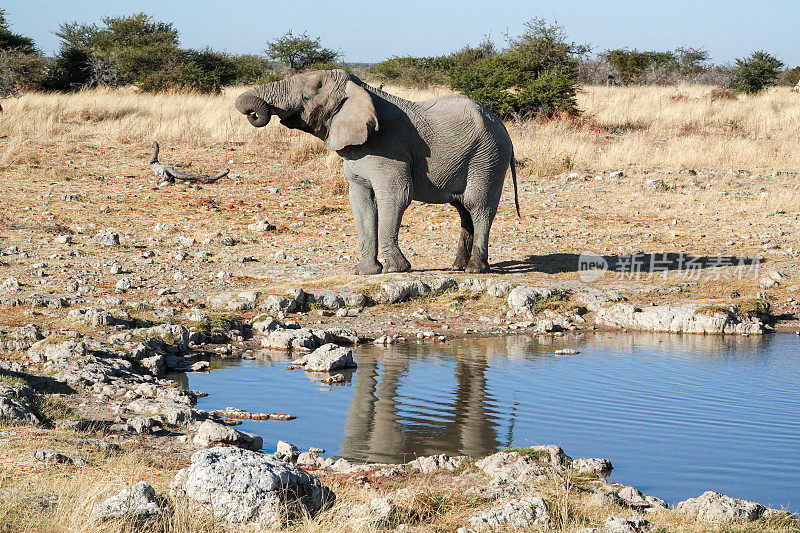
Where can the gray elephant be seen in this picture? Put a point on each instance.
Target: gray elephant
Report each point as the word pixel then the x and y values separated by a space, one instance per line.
pixel 443 150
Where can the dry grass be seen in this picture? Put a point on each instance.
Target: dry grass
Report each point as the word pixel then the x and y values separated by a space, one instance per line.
pixel 675 127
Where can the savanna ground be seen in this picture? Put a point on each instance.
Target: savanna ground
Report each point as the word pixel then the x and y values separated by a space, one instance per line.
pixel 742 200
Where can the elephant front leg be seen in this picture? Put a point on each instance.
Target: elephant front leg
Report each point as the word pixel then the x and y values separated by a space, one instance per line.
pixel 365 213
pixel 391 206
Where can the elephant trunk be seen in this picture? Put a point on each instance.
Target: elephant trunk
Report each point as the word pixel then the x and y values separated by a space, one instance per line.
pixel 256 109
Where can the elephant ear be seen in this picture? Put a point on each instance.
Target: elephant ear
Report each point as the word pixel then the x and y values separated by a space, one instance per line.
pixel 355 120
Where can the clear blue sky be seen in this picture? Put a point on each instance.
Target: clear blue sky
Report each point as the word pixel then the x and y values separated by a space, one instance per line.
pixel 371 31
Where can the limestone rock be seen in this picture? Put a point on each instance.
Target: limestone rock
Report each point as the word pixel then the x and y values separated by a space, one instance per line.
pixel 376 513
pixel 17 412
pixel 516 514
pixel 721 508
pixel 21 338
pixel 211 434
pixel 674 319
pixel 472 285
pixel 499 289
pixel 137 502
pixel 635 524
pixel 278 304
pixel 600 467
pixel 327 358
pixel 243 486
pixel 635 499
pixel 399 291
pixel 291 339
pixel 106 238
pixel 521 299
pixel 53 349
pixel 433 463
pixel 286 451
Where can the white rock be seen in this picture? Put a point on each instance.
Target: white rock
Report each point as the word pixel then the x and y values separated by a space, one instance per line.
pixel 516 514
pixel 433 463
pixel 137 502
pixel 674 319
pixel 211 433
pixel 106 238
pixel 718 507
pixel 242 486
pixel 327 358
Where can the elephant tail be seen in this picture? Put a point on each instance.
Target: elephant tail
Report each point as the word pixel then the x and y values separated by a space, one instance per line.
pixel 514 181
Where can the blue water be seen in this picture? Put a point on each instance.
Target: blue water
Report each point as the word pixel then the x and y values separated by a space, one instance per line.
pixel 676 414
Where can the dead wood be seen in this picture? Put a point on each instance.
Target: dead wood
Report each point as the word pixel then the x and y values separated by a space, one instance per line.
pixel 171 174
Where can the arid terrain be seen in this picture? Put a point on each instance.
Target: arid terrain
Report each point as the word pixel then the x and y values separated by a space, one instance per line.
pixel 690 194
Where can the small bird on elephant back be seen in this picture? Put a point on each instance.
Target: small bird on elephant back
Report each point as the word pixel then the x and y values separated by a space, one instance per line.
pixel 449 149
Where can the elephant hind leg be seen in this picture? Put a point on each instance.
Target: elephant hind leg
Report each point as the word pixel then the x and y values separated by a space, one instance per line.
pixel 464 250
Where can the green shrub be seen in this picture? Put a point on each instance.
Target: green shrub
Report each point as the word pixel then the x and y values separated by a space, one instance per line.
pixel 536 75
pixel 757 72
pixel 411 71
pixel 180 74
pixel 251 69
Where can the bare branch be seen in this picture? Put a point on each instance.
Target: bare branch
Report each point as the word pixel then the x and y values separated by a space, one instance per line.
pixel 171 174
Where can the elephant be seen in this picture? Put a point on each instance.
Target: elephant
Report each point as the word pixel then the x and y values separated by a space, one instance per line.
pixel 448 149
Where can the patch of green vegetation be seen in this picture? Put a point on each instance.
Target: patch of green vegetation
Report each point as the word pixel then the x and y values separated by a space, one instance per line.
pixel 216 323
pixel 52 408
pixel 744 309
pixel 713 309
pixel 539 455
pixel 12 381
pixel 558 302
pixel 463 296
pixel 467 466
pixel 56 338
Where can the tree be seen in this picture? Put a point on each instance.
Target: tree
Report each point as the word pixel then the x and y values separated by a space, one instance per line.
pixel 537 74
pixel 756 72
pixel 692 61
pixel 299 52
pixel 14 41
pixel 628 65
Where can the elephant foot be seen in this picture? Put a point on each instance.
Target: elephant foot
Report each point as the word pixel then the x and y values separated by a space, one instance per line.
pixel 366 268
pixel 396 263
pixel 460 263
pixel 477 266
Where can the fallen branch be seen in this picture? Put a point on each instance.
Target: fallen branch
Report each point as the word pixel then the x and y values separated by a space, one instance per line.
pixel 171 174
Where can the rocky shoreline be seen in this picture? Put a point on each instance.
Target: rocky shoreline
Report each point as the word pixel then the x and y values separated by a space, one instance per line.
pixel 114 385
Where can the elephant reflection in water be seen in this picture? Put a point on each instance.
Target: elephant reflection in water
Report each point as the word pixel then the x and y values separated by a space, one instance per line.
pixel 375 430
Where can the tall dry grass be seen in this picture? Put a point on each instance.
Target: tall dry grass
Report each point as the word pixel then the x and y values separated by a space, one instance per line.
pixel 674 127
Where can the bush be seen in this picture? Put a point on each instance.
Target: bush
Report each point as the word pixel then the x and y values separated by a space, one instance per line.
pixel 536 75
pixel 20 71
pixel 180 75
pixel 413 71
pixel 757 72
pixel 250 69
